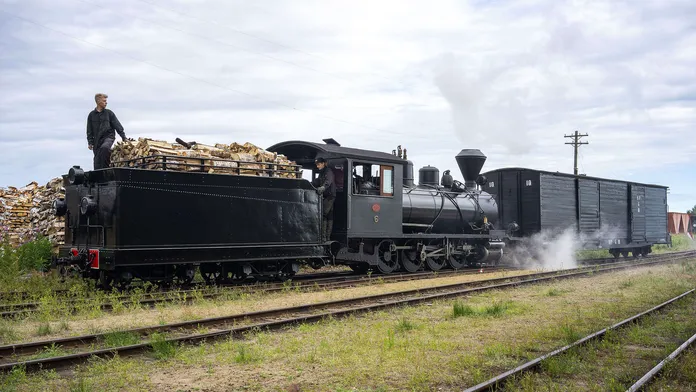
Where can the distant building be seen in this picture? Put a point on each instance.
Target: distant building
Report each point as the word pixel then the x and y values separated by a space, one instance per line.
pixel 681 223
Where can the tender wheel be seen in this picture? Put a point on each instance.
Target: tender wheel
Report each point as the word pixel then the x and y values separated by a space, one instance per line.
pixel 388 257
pixel 106 280
pixel 211 273
pixel 624 253
pixel 456 262
pixel 410 259
pixel 184 274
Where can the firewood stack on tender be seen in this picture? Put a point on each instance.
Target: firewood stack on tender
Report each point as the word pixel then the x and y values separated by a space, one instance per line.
pixel 26 213
pixel 239 159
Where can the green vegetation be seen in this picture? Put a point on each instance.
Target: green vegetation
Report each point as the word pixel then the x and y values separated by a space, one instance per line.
pixel 387 350
pixel 680 242
pixel 621 357
pixel 496 309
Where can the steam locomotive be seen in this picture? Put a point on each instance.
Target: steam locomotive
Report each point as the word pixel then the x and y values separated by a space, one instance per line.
pixel 156 224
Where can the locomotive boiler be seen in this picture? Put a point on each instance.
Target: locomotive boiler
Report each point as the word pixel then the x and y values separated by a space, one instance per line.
pixel 449 206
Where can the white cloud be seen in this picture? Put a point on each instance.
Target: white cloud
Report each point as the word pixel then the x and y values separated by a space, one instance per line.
pixel 509 78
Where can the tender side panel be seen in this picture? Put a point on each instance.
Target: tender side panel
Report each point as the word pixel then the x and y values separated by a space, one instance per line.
pixel 588 206
pixel 656 214
pixel 613 212
pixel 638 214
pixel 181 215
pixel 557 202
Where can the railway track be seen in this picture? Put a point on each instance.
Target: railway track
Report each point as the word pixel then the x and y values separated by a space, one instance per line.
pixel 15 355
pixel 332 282
pixel 11 296
pixel 505 377
pixel 650 375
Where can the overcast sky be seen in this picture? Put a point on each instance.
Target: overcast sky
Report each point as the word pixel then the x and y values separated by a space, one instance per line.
pixel 507 77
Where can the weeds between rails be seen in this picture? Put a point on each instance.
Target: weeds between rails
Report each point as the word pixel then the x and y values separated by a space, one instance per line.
pixel 17 310
pixel 504 379
pixel 79 288
pixel 82 300
pixel 131 341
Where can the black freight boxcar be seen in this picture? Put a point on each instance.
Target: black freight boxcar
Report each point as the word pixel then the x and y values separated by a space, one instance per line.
pixel 617 215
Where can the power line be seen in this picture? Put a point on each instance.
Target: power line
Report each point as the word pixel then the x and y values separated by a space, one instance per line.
pixel 576 143
pixel 192 77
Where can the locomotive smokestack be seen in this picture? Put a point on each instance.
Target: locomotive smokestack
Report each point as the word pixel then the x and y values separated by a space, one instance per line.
pixel 470 162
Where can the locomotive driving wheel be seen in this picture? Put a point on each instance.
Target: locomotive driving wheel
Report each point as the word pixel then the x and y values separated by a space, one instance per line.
pixel 410 258
pixel 435 263
pixel 456 262
pixel 388 257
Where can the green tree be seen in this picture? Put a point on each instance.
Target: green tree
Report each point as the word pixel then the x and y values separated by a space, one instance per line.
pixel 691 211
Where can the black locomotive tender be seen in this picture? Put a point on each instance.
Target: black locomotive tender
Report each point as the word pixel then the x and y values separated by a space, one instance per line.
pixel 160 225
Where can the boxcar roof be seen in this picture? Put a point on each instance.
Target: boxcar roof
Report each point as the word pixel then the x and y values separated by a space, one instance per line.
pixel 573 175
pixel 305 152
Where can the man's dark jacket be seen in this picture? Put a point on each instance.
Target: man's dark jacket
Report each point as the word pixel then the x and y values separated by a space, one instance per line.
pixel 101 126
pixel 326 179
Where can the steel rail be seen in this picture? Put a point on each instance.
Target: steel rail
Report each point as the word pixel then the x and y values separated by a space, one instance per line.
pixel 656 370
pixel 497 380
pixel 341 308
pixel 325 283
pixel 19 295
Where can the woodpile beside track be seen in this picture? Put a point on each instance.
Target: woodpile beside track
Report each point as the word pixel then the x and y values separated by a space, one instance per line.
pixel 27 212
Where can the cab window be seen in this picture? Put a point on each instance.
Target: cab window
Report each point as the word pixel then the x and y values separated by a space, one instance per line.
pixel 372 179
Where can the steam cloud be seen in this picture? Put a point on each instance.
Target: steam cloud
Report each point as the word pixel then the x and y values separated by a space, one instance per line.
pixel 554 250
pixel 486 110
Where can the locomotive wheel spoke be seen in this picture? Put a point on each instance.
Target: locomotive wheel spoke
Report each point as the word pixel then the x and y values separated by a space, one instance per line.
pixel 388 259
pixel 456 262
pixel 435 263
pixel 410 260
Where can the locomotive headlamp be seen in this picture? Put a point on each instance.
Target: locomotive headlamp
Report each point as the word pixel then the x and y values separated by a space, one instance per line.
pixel 59 207
pixel 76 176
pixel 88 206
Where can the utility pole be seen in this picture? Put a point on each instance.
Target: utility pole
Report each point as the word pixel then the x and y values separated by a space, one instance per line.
pixel 576 143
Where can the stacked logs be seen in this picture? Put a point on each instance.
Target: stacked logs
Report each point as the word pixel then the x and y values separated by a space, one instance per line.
pixel 236 159
pixel 26 213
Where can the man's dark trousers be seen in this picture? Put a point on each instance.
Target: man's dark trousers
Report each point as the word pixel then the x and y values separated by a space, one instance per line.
pixel 327 221
pixel 102 153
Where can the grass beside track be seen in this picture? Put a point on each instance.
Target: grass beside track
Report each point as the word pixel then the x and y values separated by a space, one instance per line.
pixel 53 321
pixel 444 345
pixel 621 357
